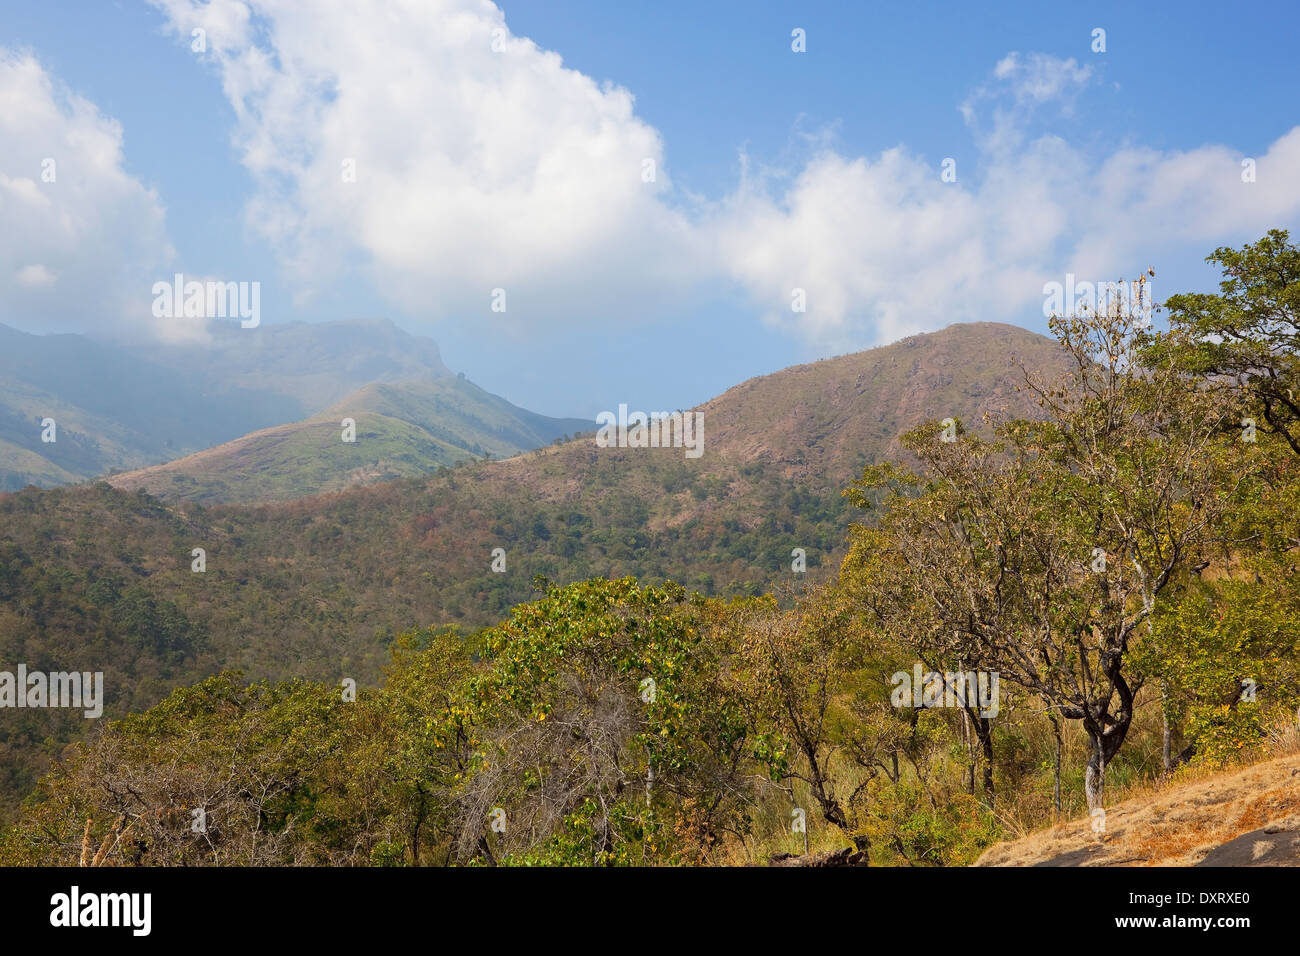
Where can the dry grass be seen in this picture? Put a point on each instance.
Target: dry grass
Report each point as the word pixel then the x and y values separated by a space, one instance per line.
pixel 1176 823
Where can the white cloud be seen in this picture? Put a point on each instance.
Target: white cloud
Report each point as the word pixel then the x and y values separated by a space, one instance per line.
pixel 1040 77
pixel 867 240
pixel 884 248
pixel 34 276
pixel 475 169
pixel 82 238
pixel 999 110
pixel 1137 196
pixel 479 169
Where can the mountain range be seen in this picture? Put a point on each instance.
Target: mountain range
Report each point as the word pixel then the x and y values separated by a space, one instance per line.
pixel 131 405
pixel 398 430
pixel 101 578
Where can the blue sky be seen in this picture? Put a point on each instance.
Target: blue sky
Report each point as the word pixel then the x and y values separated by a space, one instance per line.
pixel 1067 160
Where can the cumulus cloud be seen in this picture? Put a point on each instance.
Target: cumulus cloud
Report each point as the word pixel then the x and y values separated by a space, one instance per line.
pixel 1040 77
pixel 481 161
pixel 869 239
pixel 34 276
pixel 1138 195
pixel 1020 87
pixel 883 247
pixel 82 238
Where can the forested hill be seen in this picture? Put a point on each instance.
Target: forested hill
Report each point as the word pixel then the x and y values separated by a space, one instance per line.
pixel 101 579
pixel 398 430
pixel 126 404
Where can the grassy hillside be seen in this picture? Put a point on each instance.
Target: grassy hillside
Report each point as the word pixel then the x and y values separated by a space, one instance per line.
pixel 112 409
pixel 125 406
pixel 1250 817
pixel 316 587
pixel 402 430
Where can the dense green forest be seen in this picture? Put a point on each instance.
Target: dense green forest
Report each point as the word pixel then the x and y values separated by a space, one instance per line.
pixel 103 580
pixel 1123 560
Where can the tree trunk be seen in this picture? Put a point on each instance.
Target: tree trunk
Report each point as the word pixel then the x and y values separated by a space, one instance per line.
pixel 832 812
pixel 1094 776
pixel 1167 740
pixel 984 728
pixel 1106 731
pixel 970 753
pixel 1056 768
pixel 1104 744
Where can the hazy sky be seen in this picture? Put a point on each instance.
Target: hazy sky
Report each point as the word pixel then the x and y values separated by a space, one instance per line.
pixel 508 147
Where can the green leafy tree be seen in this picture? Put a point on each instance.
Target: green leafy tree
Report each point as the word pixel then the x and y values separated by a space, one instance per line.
pixel 1042 554
pixel 1228 653
pixel 603 711
pixel 1245 340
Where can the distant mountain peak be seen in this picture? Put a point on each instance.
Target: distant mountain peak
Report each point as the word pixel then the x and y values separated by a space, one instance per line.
pixel 128 404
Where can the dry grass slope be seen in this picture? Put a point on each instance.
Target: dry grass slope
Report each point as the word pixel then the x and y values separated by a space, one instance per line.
pixel 1249 817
